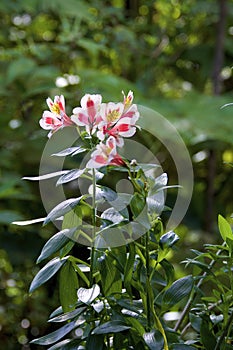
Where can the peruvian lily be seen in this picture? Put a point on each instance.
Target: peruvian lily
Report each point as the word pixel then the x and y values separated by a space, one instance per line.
pixel 118 120
pixel 105 154
pixel 87 115
pixel 56 118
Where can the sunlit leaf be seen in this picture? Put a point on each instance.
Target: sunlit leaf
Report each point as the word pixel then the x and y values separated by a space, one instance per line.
pixel 46 273
pixel 224 228
pixel 55 243
pixel 70 176
pixel 111 327
pixel 46 176
pixel 62 208
pixel 56 335
pixel 87 295
pixel 68 151
pixel 154 340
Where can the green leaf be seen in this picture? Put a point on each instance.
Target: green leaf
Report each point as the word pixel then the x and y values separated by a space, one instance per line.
pixel 55 243
pixel 182 347
pixel 112 215
pixel 178 290
pixel 111 327
pixel 66 344
pixel 68 315
pixel 45 176
pixel 56 335
pixel 154 340
pixel 68 151
pixel 28 222
pixel 207 336
pixel 137 204
pixel 169 270
pixel 129 268
pixel 62 208
pixel 46 273
pixel 68 285
pixel 106 193
pixel 87 295
pixel 224 228
pixel 70 176
pixel 95 342
pixel 110 275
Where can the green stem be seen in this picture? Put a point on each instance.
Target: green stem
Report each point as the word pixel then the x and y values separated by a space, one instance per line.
pixel 150 297
pixel 148 286
pixel 94 211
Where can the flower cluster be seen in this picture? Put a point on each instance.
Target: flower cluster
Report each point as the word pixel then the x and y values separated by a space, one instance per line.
pixel 109 122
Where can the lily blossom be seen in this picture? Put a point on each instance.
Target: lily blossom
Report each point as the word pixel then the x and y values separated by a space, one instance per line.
pixel 87 115
pixel 105 154
pixel 118 120
pixel 56 118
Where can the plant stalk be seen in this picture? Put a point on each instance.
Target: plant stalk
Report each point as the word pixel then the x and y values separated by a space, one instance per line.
pixel 150 297
pixel 94 211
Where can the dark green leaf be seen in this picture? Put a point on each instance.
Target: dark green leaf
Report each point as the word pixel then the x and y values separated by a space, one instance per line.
pixel 62 208
pixel 182 347
pixel 111 327
pixel 70 176
pixel 207 336
pixel 129 268
pixel 95 342
pixel 110 275
pixel 55 243
pixel 178 290
pixel 46 273
pixel 68 285
pixel 56 335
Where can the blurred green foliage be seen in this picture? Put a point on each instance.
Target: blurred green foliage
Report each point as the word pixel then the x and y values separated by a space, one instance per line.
pixel 162 50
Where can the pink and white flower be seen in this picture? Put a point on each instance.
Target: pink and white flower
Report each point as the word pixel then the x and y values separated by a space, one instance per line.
pixel 118 120
pixel 56 118
pixel 88 114
pixel 105 154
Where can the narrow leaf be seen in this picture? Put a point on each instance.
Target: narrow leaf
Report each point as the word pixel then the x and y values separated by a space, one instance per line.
pixel 111 327
pixel 56 335
pixel 178 290
pixel 28 222
pixel 224 228
pixel 62 208
pixel 68 285
pixel 46 273
pixel 68 315
pixel 68 151
pixel 110 275
pixel 46 176
pixel 70 176
pixel 55 243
